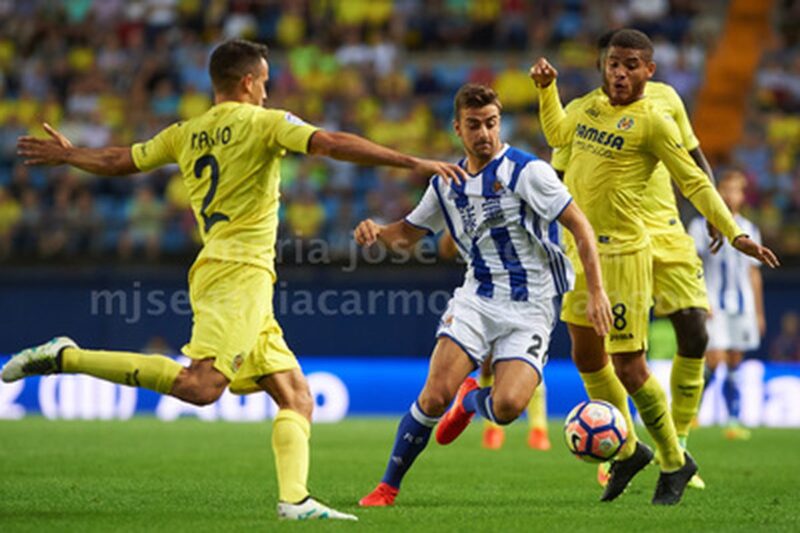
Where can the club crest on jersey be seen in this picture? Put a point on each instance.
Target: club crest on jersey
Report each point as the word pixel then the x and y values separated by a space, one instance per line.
pixel 237 362
pixel 294 119
pixel 625 123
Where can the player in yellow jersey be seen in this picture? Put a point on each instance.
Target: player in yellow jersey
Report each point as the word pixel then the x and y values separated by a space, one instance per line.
pixel 616 139
pixel 679 290
pixel 229 158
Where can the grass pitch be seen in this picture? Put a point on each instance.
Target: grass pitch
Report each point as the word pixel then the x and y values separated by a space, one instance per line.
pixel 146 475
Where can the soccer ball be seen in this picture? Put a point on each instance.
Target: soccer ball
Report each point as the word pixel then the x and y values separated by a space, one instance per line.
pixel 595 431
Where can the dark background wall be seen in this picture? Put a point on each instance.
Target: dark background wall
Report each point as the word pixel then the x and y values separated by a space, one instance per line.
pixel 372 312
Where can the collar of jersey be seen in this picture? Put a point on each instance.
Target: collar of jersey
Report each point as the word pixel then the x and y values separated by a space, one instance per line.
pixel 463 162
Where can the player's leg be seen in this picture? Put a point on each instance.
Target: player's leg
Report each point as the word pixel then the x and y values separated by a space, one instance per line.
pixel 449 366
pixel 515 383
pixel 199 384
pixel 538 438
pixel 493 434
pixel 732 395
pixel 688 366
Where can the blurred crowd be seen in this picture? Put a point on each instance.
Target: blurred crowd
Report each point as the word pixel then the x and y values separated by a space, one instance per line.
pixel 115 72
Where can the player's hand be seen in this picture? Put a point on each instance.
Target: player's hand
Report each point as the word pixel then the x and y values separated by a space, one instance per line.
pixel 38 151
pixel 598 311
pixel 748 246
pixel 367 232
pixel 448 171
pixel 543 73
pixel 717 239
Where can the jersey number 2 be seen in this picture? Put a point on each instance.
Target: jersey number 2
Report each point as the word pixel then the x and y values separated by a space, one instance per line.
pixel 209 219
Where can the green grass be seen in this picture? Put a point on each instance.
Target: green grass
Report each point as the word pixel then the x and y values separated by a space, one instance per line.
pixel 194 476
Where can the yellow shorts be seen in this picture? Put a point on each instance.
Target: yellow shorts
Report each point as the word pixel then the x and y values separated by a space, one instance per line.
pixel 627 279
pixel 678 281
pixel 234 323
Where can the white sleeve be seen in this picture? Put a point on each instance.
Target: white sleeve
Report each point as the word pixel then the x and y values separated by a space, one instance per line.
pixel 698 232
pixel 428 214
pixel 539 186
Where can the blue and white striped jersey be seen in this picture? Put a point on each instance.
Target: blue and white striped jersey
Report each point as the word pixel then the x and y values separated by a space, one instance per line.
pixel 727 272
pixel 503 222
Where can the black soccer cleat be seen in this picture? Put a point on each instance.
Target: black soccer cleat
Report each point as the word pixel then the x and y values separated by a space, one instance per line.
pixel 622 472
pixel 671 485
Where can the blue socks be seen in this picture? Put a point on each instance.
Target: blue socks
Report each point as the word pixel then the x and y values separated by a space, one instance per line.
pixel 412 437
pixel 480 401
pixel 730 391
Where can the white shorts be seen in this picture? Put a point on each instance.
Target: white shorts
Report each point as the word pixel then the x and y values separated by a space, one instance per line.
pixel 732 332
pixel 506 330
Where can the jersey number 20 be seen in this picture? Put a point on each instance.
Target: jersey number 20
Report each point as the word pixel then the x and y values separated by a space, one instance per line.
pixel 209 219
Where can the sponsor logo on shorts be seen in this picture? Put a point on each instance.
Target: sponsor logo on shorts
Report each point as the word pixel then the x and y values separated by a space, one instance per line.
pixel 621 336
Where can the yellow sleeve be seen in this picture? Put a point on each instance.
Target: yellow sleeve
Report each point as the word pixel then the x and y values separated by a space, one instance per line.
pixel 560 156
pixel 664 141
pixel 288 131
pixel 554 119
pixel 158 151
pixel 678 112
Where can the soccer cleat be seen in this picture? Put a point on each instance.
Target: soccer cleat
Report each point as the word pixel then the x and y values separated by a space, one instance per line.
pixel 603 473
pixel 310 509
pixel 622 472
pixel 696 483
pixel 37 361
pixel 538 439
pixel 671 485
pixel 456 420
pixel 493 438
pixel 382 496
pixel 736 432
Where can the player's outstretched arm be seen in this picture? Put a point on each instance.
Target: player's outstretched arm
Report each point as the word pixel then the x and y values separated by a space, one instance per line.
pixel 397 235
pixel 748 246
pixel 552 115
pixel 599 308
pixel 58 150
pixel 354 149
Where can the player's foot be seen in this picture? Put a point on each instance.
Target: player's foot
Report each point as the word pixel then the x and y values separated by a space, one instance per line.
pixel 493 438
pixel 456 420
pixel 622 472
pixel 603 474
pixel 671 485
pixel 37 361
pixel 697 483
pixel 310 509
pixel 382 496
pixel 737 433
pixel 538 439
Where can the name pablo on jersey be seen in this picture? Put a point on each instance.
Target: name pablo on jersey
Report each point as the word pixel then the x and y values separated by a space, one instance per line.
pixel 208 139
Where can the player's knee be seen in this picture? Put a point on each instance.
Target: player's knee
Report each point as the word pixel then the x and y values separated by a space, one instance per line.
pixel 434 403
pixel 632 376
pixel 507 407
pixel 691 333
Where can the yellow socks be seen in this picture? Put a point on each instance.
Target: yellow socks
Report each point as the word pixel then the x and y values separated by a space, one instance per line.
pixel 651 402
pixel 537 409
pixel 686 386
pixel 605 385
pixel 154 372
pixel 290 434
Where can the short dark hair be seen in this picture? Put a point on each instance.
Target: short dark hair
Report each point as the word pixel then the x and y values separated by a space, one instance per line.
pixel 475 96
pixel 232 60
pixel 634 40
pixel 603 40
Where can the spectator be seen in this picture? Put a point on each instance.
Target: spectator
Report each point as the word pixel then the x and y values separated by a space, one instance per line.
pixel 10 214
pixel 145 225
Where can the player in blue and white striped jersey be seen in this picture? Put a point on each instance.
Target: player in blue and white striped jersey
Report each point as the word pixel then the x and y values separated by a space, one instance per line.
pixel 501 220
pixel 734 285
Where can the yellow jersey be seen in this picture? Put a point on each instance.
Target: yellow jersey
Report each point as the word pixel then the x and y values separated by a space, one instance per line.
pixel 613 153
pixel 659 208
pixel 229 158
